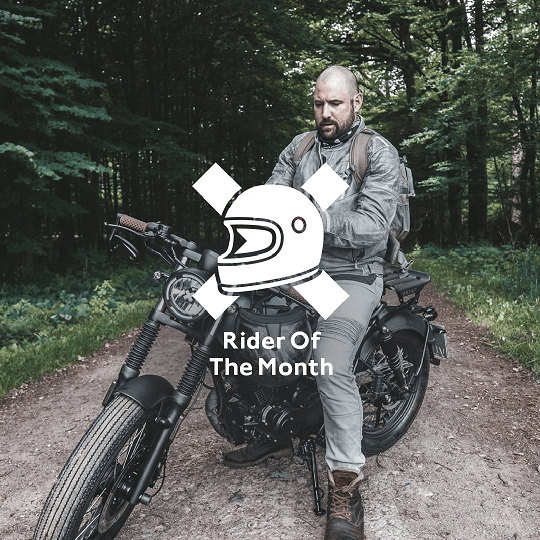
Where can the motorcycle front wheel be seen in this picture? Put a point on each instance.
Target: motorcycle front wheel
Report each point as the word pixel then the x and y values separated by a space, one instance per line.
pixel 87 502
pixel 385 423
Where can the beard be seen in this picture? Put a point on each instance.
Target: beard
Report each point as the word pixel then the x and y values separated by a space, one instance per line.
pixel 339 129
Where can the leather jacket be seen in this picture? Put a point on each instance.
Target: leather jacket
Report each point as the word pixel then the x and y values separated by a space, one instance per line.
pixel 357 224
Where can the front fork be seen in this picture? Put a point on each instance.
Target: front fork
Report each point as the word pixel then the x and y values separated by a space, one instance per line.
pixel 177 400
pixel 170 422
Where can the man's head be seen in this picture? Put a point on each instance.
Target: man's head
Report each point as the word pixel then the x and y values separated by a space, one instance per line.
pixel 335 102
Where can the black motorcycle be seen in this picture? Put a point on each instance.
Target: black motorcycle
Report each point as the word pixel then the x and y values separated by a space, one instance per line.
pixel 121 460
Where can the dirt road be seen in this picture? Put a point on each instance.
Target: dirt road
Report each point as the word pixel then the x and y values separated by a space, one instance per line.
pixel 467 469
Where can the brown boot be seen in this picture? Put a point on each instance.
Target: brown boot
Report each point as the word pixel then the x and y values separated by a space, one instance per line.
pixel 345 519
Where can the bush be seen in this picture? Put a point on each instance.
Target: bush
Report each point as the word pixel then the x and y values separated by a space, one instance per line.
pixel 46 326
pixel 498 287
pixel 21 364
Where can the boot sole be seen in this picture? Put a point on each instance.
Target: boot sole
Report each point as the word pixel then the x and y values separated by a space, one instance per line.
pixel 285 452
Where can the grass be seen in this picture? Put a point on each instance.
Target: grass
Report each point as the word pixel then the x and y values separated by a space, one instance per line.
pixel 24 364
pixel 498 287
pixel 46 326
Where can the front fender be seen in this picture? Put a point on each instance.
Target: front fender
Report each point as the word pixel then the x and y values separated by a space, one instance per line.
pixel 403 320
pixel 149 391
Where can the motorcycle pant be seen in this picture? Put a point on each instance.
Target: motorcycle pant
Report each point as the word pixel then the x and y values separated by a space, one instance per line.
pixel 341 334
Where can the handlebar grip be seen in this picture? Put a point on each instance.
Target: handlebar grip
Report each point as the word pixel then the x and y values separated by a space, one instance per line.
pixel 132 223
pixel 296 295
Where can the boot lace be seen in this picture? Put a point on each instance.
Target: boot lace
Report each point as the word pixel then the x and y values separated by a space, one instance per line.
pixel 340 504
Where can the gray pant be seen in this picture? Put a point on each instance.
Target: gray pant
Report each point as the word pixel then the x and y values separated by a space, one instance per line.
pixel 341 335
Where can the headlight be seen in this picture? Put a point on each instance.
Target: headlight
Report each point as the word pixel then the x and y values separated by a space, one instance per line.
pixel 178 294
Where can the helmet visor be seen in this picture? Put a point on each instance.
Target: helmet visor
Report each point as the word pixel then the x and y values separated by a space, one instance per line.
pixel 251 240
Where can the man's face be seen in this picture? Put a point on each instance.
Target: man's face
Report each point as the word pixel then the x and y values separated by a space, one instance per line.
pixel 335 109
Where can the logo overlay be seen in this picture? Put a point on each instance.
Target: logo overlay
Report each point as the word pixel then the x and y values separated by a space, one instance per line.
pixel 276 238
pixel 299 340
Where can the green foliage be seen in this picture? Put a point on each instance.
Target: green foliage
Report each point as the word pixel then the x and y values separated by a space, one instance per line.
pixel 28 312
pixel 503 270
pixel 59 349
pixel 48 112
pixel 46 326
pixel 454 85
pixel 109 107
pixel 499 288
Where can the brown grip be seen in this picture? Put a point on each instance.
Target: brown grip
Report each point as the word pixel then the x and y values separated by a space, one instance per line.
pixel 297 296
pixel 132 223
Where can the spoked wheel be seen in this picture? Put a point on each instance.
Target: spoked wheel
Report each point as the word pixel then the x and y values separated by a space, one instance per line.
pixel 388 419
pixel 88 501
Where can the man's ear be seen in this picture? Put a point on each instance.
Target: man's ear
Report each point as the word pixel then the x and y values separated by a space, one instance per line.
pixel 357 102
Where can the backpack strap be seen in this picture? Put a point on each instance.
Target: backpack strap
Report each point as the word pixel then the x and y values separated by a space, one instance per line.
pixel 358 157
pixel 306 144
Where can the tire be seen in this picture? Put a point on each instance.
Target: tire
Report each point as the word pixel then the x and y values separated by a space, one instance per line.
pixel 86 503
pixel 398 415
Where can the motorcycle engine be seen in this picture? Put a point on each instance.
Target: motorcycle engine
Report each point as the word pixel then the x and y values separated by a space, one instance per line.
pixel 253 411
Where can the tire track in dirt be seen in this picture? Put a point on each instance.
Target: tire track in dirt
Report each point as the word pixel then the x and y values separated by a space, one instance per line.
pixel 467 469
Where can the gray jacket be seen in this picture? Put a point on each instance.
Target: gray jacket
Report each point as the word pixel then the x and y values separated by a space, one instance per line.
pixel 357 224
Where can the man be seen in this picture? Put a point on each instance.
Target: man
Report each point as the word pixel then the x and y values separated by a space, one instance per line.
pixel 356 229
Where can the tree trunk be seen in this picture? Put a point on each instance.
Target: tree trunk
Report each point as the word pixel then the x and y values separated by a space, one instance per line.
pixel 455 187
pixel 476 146
pixel 408 74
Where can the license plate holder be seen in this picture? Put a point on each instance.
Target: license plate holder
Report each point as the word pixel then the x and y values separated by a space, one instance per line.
pixel 439 346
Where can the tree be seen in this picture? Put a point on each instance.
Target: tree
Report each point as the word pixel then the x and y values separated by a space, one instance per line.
pixel 454 84
pixel 120 106
pixel 46 119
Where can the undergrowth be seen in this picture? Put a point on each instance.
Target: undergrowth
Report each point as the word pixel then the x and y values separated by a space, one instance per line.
pixel 499 287
pixel 45 326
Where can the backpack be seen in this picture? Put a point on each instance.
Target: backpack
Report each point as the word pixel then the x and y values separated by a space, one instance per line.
pixel 358 159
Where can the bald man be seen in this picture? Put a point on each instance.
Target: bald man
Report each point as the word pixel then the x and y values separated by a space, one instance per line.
pixel 356 229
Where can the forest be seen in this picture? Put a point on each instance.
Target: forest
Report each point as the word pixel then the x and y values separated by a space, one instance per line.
pixel 119 106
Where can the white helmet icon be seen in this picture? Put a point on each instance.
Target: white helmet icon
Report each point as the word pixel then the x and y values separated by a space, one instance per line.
pixel 275 237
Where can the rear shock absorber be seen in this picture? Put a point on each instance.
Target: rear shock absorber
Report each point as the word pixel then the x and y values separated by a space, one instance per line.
pixel 391 351
pixel 377 387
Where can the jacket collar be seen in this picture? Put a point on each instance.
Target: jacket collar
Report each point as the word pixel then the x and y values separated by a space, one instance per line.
pixel 357 124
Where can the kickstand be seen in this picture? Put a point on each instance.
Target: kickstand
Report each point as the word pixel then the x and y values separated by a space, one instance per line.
pixel 306 451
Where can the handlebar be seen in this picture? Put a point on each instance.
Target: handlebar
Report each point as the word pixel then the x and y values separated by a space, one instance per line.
pixel 132 223
pixel 291 291
pixel 168 242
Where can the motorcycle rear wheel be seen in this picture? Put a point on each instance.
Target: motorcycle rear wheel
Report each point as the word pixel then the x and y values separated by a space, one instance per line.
pixel 86 501
pixel 396 416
